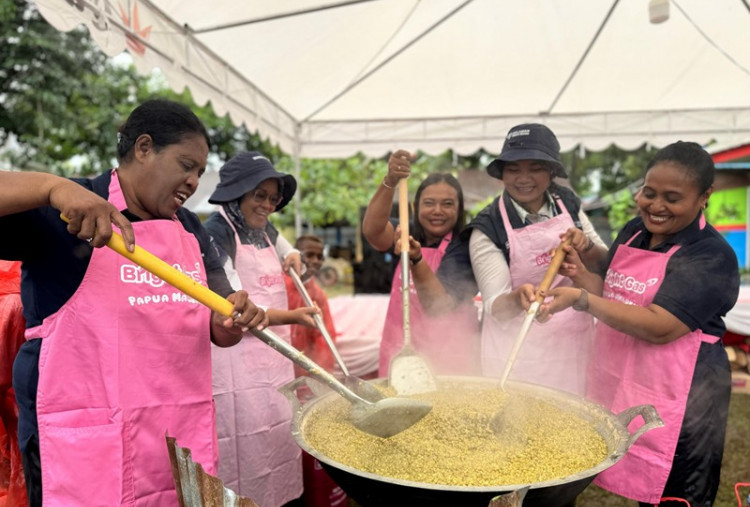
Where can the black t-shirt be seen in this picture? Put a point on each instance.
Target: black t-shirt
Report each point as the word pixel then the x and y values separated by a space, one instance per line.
pixel 701 283
pixel 55 261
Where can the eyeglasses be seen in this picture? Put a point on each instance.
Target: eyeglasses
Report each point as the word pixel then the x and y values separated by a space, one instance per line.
pixel 260 196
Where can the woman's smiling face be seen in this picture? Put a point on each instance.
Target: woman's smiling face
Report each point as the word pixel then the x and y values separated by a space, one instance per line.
pixel 527 181
pixel 669 200
pixel 438 210
pixel 260 202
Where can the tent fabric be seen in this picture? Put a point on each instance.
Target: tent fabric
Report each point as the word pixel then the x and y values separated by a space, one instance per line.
pixel 330 78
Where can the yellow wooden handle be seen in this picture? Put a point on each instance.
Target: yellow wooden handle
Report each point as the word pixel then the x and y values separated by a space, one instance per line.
pixel 169 274
pixel 552 269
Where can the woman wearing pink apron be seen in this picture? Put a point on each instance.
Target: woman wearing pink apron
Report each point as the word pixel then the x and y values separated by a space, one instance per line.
pixel 556 353
pixel 506 249
pixel 449 341
pixel 258 457
pixel 670 281
pixel 116 359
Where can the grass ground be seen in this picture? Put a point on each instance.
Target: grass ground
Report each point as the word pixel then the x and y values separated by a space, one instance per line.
pixel 735 468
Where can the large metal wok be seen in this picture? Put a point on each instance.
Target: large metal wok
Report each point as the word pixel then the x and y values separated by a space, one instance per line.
pixel 371 490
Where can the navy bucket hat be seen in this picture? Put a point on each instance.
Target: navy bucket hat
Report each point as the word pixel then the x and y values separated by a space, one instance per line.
pixel 529 141
pixel 244 172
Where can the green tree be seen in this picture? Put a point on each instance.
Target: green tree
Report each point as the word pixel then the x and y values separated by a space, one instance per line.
pixel 60 95
pixel 63 100
pixel 614 167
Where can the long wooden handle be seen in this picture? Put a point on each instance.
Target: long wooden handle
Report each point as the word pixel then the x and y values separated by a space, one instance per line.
pixel 552 269
pixel 203 294
pixel 169 274
pixel 403 222
pixel 403 213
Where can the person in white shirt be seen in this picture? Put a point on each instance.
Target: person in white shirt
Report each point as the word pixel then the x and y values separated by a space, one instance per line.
pixel 504 254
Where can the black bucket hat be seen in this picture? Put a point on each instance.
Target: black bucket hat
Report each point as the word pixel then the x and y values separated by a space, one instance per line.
pixel 244 172
pixel 529 141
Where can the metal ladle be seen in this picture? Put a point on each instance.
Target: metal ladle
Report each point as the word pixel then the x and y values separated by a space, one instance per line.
pixel 383 418
pixel 409 372
pixel 361 387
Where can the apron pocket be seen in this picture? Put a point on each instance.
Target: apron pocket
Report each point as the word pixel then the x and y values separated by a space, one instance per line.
pixel 81 453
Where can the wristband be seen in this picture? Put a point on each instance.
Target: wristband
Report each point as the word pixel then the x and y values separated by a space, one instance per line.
pixel 589 246
pixel 386 185
pixel 416 261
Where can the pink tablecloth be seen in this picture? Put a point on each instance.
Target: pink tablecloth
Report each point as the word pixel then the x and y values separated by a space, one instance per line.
pixel 359 326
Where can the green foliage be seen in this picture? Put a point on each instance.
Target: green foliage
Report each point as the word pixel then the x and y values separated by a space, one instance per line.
pixel 333 191
pixel 59 93
pixel 614 167
pixel 622 210
pixel 618 173
pixel 63 100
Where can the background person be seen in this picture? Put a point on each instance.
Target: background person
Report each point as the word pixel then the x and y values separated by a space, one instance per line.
pixel 669 279
pixel 258 457
pixel 319 488
pixel 307 339
pixel 12 327
pixel 448 341
pixel 115 358
pixel 506 250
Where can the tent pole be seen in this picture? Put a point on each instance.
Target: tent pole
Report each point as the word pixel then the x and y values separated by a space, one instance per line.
pixel 297 195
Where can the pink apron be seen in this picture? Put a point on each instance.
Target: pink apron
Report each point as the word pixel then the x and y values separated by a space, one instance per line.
pixel 125 361
pixel 258 457
pixel 554 353
pixel 626 372
pixel 449 343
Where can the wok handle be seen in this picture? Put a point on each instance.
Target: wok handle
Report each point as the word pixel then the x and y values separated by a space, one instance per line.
pixel 319 321
pixel 403 221
pixel 203 294
pixel 651 420
pixel 290 390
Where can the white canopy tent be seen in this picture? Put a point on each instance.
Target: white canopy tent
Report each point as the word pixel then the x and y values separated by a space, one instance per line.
pixel 329 78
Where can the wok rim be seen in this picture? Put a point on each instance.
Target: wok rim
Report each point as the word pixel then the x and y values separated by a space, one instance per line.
pixel 590 411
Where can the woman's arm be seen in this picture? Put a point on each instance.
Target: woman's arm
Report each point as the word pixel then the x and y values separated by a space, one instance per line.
pixel 652 324
pixel 90 216
pixel 376 225
pixel 574 268
pixel 432 295
pixel 588 244
pixel 227 331
pixel 302 316
pixel 289 256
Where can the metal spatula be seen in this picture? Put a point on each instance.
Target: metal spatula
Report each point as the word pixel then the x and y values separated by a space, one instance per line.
pixel 503 420
pixel 409 372
pixel 549 276
pixel 356 384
